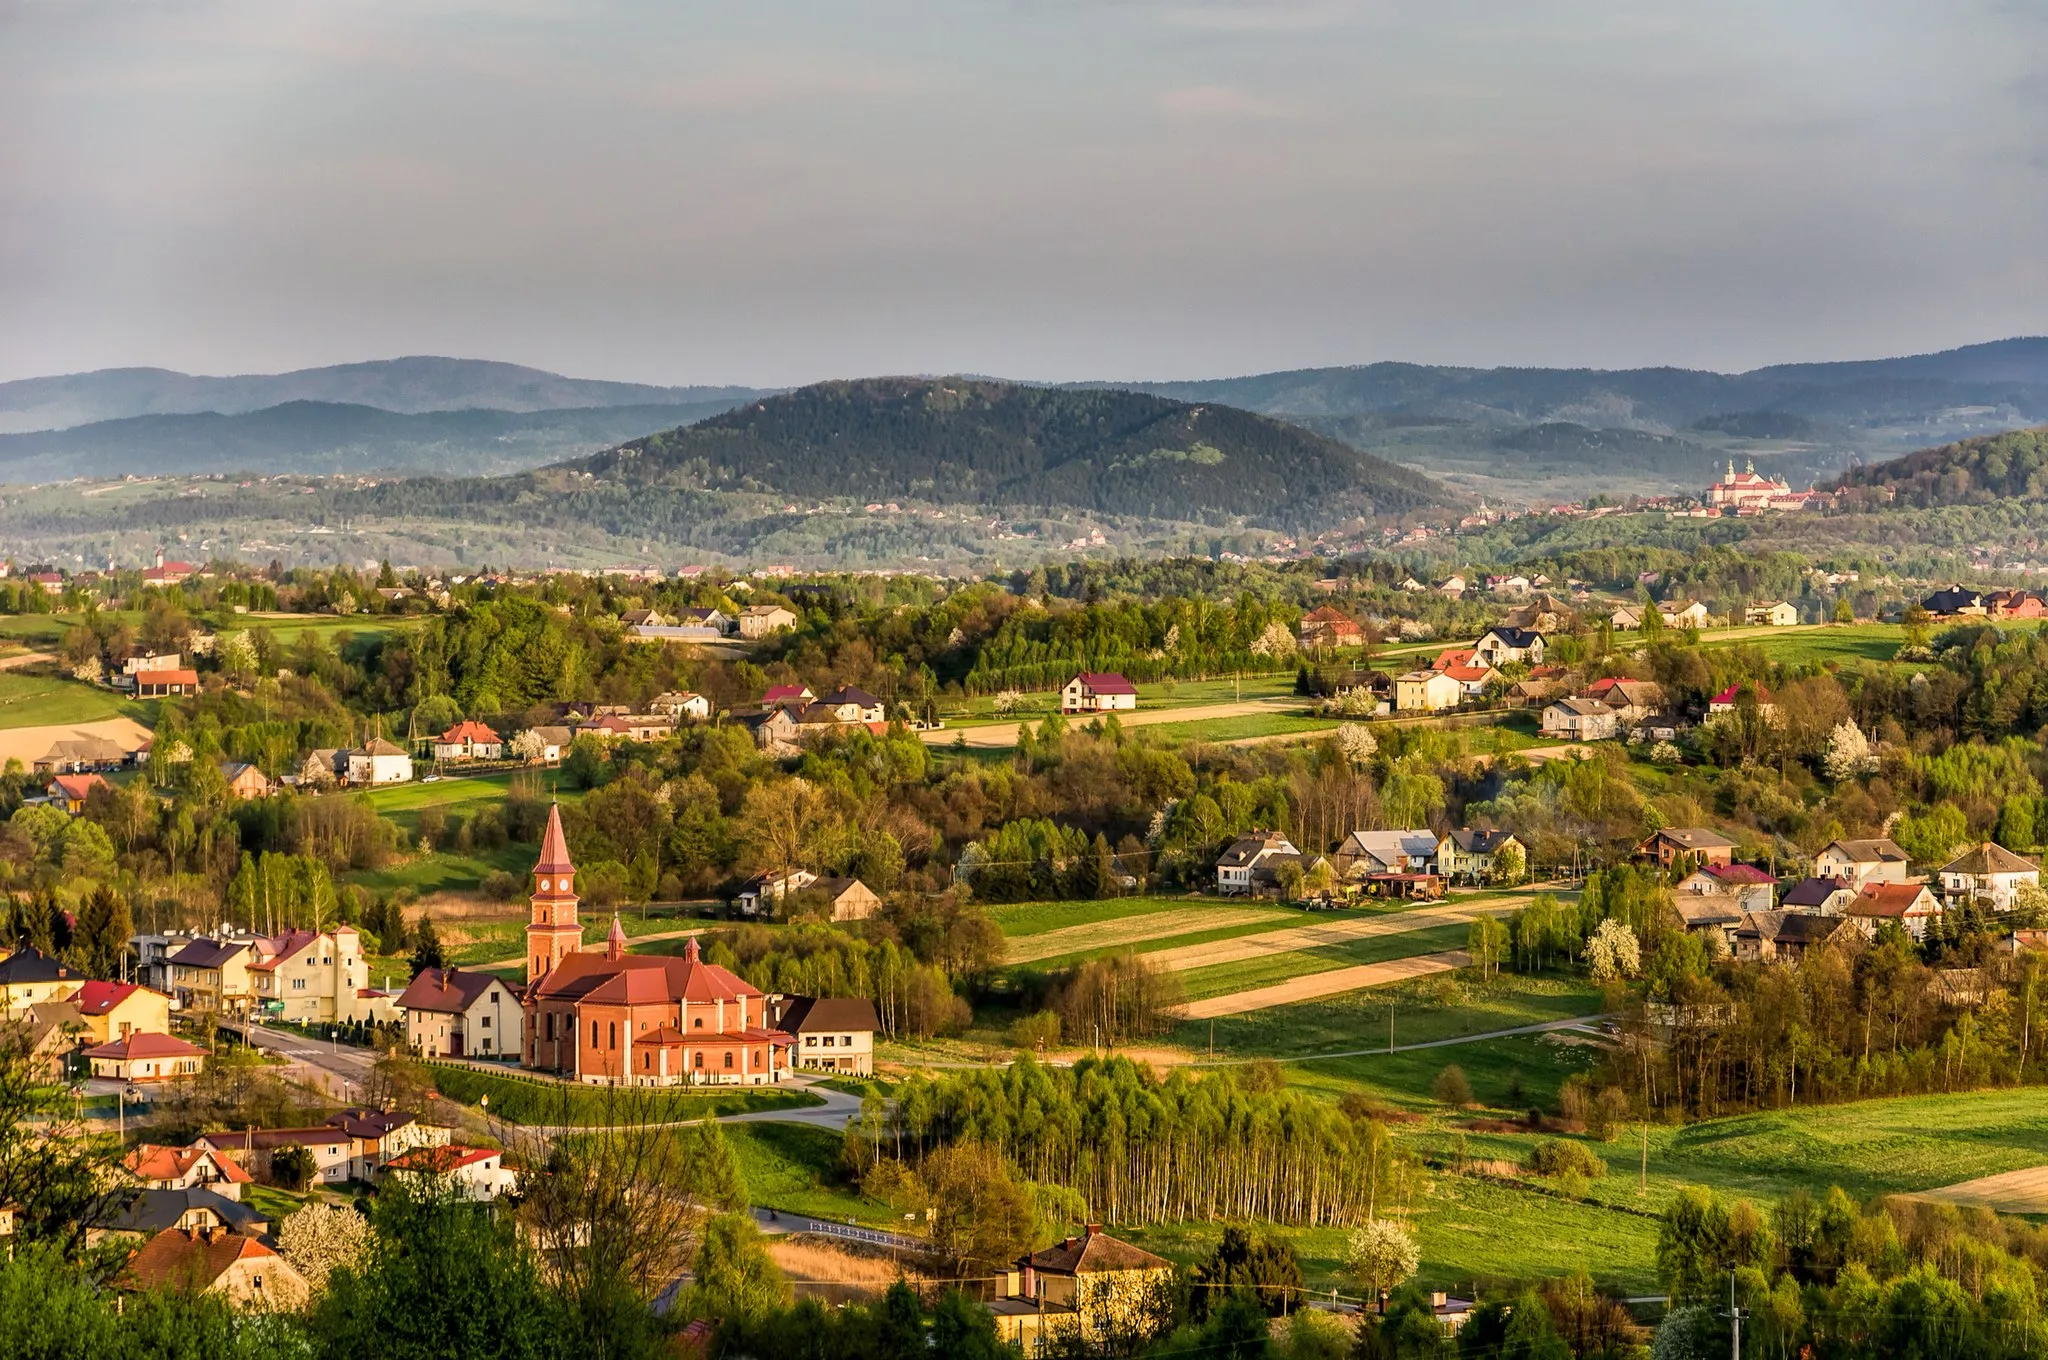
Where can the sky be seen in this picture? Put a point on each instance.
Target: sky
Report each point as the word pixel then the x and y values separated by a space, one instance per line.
pixel 772 193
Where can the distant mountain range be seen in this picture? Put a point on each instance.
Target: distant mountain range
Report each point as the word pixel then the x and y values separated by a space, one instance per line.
pixel 413 384
pixel 332 437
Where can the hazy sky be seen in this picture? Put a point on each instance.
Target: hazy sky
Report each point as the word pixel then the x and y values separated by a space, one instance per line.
pixel 768 192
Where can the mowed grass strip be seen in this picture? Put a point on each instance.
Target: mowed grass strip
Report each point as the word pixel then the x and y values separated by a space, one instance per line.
pixel 1246 728
pixel 1424 1011
pixel 1020 919
pixel 47 700
pixel 1268 969
pixel 1130 930
pixel 1334 934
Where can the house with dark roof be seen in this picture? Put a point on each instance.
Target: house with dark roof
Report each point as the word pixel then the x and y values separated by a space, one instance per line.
pixel 216 1261
pixel 1954 601
pixel 28 975
pixel 213 975
pixel 1098 692
pixel 1499 646
pixel 1095 1284
pixel 1862 861
pixel 144 1212
pixel 1467 855
pixel 450 1013
pixel 832 1034
pixel 1783 936
pixel 1237 870
pixel 1817 896
pixel 1989 874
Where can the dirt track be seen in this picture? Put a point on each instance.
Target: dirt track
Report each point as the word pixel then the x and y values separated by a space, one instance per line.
pixel 1328 933
pixel 1317 985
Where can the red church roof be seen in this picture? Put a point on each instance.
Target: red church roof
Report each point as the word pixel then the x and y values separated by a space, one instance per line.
pixel 554 846
pixel 642 979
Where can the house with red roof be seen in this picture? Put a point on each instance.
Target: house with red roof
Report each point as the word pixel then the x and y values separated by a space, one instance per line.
pixel 476 1173
pixel 469 740
pixel 165 684
pixel 159 1166
pixel 612 1018
pixel 1327 626
pixel 216 1261
pixel 146 1057
pixel 69 791
pixel 780 696
pixel 1728 699
pixel 312 977
pixel 115 1010
pixel 1909 905
pixel 1098 692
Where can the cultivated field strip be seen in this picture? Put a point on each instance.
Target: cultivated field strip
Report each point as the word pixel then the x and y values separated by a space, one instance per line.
pixel 1129 930
pixel 1317 985
pixel 1324 934
pixel 2012 1192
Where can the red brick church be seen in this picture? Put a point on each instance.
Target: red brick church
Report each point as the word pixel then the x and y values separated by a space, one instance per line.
pixel 612 1018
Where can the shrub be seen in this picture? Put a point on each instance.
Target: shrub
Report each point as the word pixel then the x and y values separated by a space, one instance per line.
pixel 1033 1030
pixel 1451 1087
pixel 1560 1157
pixel 292 1166
pixel 500 886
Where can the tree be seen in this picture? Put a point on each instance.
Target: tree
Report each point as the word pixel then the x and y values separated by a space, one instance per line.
pixel 426 948
pixel 104 925
pixel 984 1218
pixel 1848 753
pixel 735 1276
pixel 319 1238
pixel 1265 1267
pixel 236 654
pixel 1380 1255
pixel 1613 952
pixel 1510 865
pixel 292 1166
pixel 1487 942
pixel 529 745
pixel 1452 1087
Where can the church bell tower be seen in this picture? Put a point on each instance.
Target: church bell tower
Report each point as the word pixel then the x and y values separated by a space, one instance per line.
pixel 552 933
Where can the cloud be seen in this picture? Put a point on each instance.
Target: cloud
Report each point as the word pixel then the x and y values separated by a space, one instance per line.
pixel 1224 103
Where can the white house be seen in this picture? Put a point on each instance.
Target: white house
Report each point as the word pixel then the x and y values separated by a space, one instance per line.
pixel 453 1014
pixel 833 1034
pixel 477 1173
pixel 682 704
pixel 1411 851
pixel 1237 869
pixel 763 891
pixel 1098 692
pixel 1691 614
pixel 1910 905
pixel 1499 646
pixel 1877 860
pixel 380 762
pixel 469 740
pixel 1989 873
pixel 1579 719
pixel 1771 613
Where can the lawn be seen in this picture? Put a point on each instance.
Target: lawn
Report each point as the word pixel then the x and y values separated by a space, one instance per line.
pixel 1019 919
pixel 1242 728
pixel 1846 643
pixel 458 794
pixel 45 700
pixel 1424 1011
pixel 1235 930
pixel 286 629
pixel 444 870
pixel 1223 978
pixel 795 1168
pixel 531 1100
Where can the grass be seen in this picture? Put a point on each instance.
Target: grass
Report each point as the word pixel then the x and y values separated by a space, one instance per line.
pixel 530 1100
pixel 1845 643
pixel 1236 930
pixel 1223 978
pixel 1424 1011
pixel 46 700
pixel 274 1204
pixel 1020 919
pixel 1249 726
pixel 1534 1065
pixel 795 1168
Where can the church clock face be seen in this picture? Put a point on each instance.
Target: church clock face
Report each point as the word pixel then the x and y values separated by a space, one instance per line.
pixel 543 885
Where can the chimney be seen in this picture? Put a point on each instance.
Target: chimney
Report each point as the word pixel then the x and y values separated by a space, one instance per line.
pixel 1438 1298
pixel 1094 1229
pixel 1069 1243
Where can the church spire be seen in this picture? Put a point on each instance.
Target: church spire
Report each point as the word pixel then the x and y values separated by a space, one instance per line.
pixel 615 941
pixel 554 846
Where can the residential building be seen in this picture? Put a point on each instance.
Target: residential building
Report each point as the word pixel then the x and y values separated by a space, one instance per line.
pixel 1237 869
pixel 213 975
pixel 453 1014
pixel 850 899
pixel 160 1167
pixel 165 684
pixel 1862 861
pixel 1472 680
pixel 1426 692
pixel 1098 692
pixel 333 1150
pixel 55 1031
pixel 680 704
pixel 139 1213
pixel 379 762
pixel 1500 646
pixel 762 893
pixel 1710 914
pixel 1093 1285
pixel 554 744
pixel 1578 719
pixel 1468 854
pixel 28 976
pixel 1631 700
pixel 1730 699
pixel 245 780
pixel 776 732
pixel 1783 936
pixel 1683 614
pixel 1819 896
pixel 321 767
pixel 146 1058
pixel 150 661
pixel 1626 617
pixel 1954 602
pixel 115 1010
pixel 831 1034
pixel 1746 887
pixel 849 704
pixel 794 696
pixel 704 617
pixel 1771 614
pixel 69 791
pixel 469 740
pixel 216 1261
pixel 1327 626
pixel 478 1174
pixel 77 755
pixel 1674 843
pixel 1989 874
pixel 1908 905
pixel 1451 658
pixel 634 1019
pixel 1366 853
pixel 311 978
pixel 645 618
pixel 759 620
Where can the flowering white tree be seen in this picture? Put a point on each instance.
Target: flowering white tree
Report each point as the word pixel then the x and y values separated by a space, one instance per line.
pixel 529 746
pixel 320 1237
pixel 237 653
pixel 1006 701
pixel 1613 952
pixel 1357 743
pixel 89 670
pixel 1848 752
pixel 1275 641
pixel 1380 1255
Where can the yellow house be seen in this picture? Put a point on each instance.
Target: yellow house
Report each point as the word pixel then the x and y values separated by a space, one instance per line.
pixel 115 1010
pixel 29 976
pixel 312 978
pixel 1771 613
pixel 213 975
pixel 1425 692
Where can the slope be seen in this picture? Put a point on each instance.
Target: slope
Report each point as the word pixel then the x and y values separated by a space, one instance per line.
pixel 1983 471
pixel 411 384
pixel 332 437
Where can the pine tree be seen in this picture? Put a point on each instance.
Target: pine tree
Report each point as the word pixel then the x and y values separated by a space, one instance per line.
pixel 426 948
pixel 104 925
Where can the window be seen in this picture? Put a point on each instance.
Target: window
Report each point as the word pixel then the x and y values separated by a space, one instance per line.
pixel 698 1024
pixel 614 1028
pixel 846 1041
pixel 728 1058
pixel 487 1022
pixel 700 1061
pixel 828 1041
pixel 298 984
pixel 810 1041
pixel 593 1034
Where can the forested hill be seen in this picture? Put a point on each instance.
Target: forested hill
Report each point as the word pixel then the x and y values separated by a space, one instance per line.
pixel 972 442
pixel 2008 466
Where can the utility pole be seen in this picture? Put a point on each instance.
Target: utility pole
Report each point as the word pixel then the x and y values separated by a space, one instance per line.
pixel 1735 1316
pixel 1390 1027
pixel 1643 1186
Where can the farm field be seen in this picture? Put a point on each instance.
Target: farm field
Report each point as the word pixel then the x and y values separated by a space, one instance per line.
pixel 1022 919
pixel 1272 968
pixel 1845 643
pixel 1210 920
pixel 1313 984
pixel 49 700
pixel 1248 727
pixel 1324 935
pixel 1424 1012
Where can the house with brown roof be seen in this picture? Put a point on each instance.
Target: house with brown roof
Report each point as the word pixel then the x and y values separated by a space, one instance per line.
pixel 469 740
pixel 378 762
pixel 213 975
pixel 245 780
pixel 146 1058
pixel 1674 843
pixel 216 1261
pixel 1909 905
pixel 832 1034
pixel 1578 718
pixel 1095 1284
pixel 1783 936
pixel 759 620
pixel 1989 874
pixel 456 1014
pixel 1861 861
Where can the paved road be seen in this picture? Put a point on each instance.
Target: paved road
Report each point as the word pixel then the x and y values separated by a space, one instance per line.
pixel 331 1067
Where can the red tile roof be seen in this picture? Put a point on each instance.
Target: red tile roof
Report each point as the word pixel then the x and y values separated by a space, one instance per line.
pixel 1106 682
pixel 189 679
pixel 145 1045
pixel 468 730
pixel 78 785
pixel 585 974
pixel 1891 900
pixel 179 1258
pixel 97 998
pixel 439 1161
pixel 1741 873
pixel 158 1162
